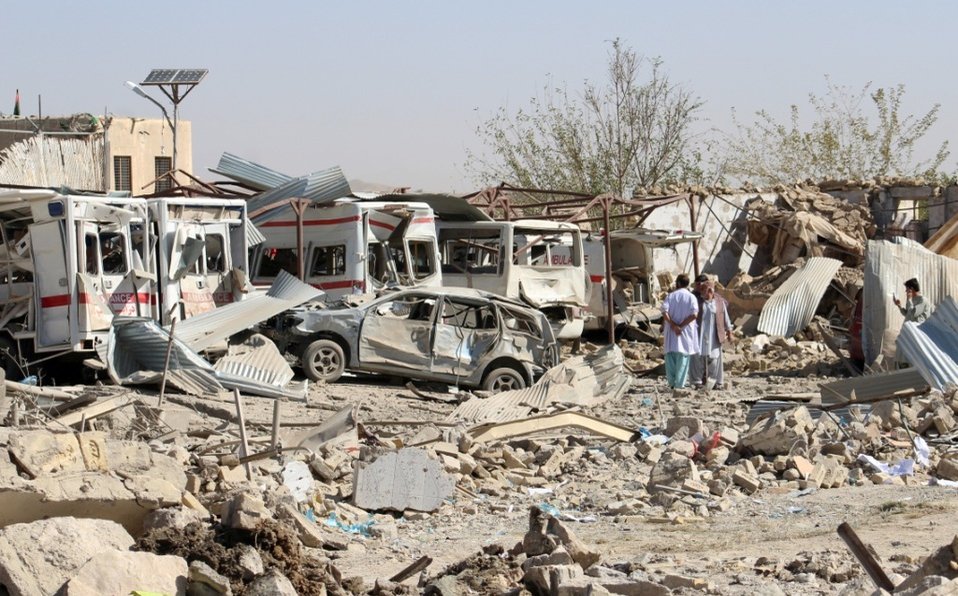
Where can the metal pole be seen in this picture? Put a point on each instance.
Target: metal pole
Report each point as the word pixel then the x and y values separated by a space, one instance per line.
pixel 176 111
pixel 695 243
pixel 609 310
pixel 166 363
pixel 858 548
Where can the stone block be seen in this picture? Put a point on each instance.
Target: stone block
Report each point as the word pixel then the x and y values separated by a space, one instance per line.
pixel 204 580
pixel 948 467
pixel 401 480
pixel 747 482
pixel 41 452
pixel 273 583
pixel 37 557
pixel 245 512
pixel 580 553
pixel 119 572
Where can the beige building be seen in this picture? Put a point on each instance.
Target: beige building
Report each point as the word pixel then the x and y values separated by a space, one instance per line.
pixel 87 152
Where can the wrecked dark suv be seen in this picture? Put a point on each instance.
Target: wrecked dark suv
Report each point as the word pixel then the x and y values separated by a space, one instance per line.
pixel 451 335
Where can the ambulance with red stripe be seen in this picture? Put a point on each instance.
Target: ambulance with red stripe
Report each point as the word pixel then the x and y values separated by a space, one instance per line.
pixel 201 254
pixel 352 246
pixel 68 264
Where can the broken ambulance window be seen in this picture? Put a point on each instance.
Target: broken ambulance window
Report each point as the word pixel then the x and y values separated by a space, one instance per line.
pixel 92 256
pixel 275 260
pixel 113 253
pixel 470 251
pixel 422 255
pixel 328 260
pixel 215 253
pixel 546 248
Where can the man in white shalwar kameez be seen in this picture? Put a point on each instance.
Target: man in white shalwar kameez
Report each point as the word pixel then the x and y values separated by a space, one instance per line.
pixel 679 311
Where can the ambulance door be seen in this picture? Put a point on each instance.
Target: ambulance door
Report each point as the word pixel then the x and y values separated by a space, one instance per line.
pixel 188 270
pixel 52 285
pixel 217 258
pixel 92 308
pixel 116 272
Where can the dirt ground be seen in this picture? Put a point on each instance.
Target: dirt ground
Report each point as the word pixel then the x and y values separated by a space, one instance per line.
pixel 773 541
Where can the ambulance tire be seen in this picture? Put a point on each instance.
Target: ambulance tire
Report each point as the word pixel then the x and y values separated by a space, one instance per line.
pixel 324 361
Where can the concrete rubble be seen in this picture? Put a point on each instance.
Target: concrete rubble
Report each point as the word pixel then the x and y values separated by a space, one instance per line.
pixel 593 480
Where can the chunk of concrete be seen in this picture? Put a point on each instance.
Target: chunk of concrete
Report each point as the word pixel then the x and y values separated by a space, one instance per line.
pixel 40 452
pixel 205 581
pixel 121 572
pixel 245 512
pixel 672 470
pixel 271 584
pixel 37 557
pixel 400 480
pixel 580 553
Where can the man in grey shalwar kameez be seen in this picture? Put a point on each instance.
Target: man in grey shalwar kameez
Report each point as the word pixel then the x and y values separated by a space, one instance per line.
pixel 715 329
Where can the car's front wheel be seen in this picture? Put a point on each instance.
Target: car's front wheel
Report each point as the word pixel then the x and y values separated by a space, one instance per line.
pixel 504 379
pixel 324 360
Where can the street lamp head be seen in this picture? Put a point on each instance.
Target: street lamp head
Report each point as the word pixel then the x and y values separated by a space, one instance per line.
pixel 137 89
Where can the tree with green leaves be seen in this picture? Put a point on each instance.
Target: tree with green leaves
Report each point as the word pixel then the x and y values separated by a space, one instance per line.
pixel 853 135
pixel 632 131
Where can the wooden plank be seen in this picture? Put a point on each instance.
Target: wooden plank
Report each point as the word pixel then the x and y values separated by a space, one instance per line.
pixel 97 409
pixel 858 548
pixel 244 444
pixel 411 570
pixel 525 426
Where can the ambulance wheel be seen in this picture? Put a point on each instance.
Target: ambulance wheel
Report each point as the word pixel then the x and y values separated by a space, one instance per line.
pixel 323 360
pixel 504 379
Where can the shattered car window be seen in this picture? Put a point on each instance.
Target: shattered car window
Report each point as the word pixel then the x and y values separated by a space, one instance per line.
pixel 410 309
pixel 468 316
pixel 520 322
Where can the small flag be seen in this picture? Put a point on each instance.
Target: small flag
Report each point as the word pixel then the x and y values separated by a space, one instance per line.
pixel 16 105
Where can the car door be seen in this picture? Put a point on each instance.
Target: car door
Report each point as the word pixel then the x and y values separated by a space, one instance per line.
pixel 398 332
pixel 465 331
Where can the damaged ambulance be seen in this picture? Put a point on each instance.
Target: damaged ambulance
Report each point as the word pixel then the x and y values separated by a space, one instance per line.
pixel 352 246
pixel 538 262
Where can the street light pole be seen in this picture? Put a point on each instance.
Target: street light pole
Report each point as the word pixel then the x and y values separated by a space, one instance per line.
pixel 139 91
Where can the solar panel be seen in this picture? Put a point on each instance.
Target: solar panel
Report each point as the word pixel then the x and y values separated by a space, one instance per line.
pixel 174 76
pixel 189 76
pixel 159 76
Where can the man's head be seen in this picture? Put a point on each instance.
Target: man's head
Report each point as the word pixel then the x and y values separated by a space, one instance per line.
pixel 682 281
pixel 708 290
pixel 700 281
pixel 911 287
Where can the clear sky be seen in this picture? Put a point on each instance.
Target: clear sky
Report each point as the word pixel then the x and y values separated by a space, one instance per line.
pixel 392 92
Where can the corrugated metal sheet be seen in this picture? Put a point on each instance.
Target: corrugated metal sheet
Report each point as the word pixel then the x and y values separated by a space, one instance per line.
pixel 135 353
pixel 45 160
pixel 791 308
pixel 764 406
pixel 502 407
pixel 319 187
pixel 586 380
pixel 887 266
pixel 249 173
pixel 204 330
pixel 932 347
pixel 253 236
pixel 260 360
pixel 872 386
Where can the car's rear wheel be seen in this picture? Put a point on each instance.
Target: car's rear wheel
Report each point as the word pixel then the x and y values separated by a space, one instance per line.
pixel 504 379
pixel 324 360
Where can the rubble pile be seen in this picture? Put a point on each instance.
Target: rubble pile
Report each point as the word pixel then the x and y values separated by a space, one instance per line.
pixel 805 223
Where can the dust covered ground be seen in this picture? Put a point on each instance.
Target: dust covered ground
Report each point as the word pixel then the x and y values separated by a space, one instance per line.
pixel 773 541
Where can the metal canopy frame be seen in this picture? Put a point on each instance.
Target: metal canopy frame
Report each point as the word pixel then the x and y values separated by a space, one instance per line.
pixel 506 203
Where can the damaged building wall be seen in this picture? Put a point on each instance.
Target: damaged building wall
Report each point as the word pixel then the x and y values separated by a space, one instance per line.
pixel 54 161
pixel 724 249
